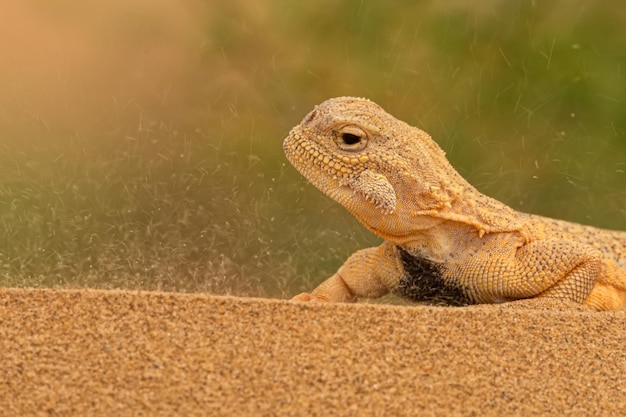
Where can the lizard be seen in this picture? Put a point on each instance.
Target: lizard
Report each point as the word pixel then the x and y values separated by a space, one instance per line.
pixel 444 242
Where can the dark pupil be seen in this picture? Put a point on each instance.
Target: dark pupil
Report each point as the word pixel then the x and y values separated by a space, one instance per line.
pixel 350 139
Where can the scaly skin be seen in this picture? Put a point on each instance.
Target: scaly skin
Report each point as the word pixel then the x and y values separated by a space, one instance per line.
pixel 445 242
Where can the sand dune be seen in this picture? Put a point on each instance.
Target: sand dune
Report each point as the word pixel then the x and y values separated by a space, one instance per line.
pixel 88 352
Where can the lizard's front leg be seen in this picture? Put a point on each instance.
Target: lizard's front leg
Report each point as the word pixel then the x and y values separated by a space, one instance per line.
pixel 368 273
pixel 545 268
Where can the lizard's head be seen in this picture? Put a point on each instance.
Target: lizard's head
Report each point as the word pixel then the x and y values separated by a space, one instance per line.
pixel 365 159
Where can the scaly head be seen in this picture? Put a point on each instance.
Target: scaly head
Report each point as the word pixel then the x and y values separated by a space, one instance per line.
pixel 372 163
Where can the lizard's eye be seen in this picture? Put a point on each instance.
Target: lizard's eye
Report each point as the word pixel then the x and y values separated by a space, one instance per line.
pixel 351 138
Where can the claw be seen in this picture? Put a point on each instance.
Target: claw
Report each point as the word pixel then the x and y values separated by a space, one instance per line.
pixel 304 297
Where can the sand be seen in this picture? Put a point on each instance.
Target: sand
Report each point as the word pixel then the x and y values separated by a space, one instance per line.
pixel 91 352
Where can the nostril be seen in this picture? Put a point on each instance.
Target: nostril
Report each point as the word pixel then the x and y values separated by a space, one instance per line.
pixel 311 116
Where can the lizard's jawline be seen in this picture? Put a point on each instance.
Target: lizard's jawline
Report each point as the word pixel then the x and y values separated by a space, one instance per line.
pixel 349 194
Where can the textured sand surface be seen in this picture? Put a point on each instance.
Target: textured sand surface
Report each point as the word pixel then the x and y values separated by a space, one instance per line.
pixel 87 352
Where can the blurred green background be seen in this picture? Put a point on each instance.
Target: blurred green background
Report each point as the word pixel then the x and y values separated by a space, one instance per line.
pixel 141 140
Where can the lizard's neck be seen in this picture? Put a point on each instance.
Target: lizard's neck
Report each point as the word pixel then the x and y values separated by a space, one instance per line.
pixel 423 208
pixel 439 191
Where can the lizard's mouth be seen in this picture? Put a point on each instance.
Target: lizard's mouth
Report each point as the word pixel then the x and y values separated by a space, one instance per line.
pixel 341 177
pixel 305 156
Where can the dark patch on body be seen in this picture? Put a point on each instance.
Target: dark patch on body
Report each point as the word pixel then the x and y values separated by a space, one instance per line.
pixel 423 282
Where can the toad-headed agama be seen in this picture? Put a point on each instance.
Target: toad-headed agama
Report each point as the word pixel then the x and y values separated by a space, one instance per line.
pixel 444 241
